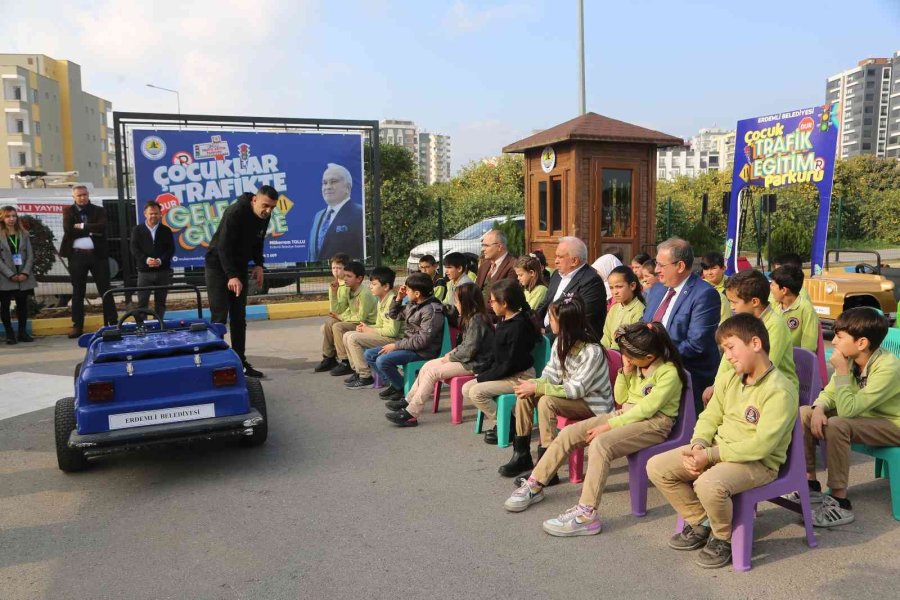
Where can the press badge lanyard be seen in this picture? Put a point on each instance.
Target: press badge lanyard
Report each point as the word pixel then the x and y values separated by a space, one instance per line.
pixel 14 244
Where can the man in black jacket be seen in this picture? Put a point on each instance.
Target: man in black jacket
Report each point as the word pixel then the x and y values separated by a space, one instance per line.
pixel 237 241
pixel 152 246
pixel 84 244
pixel 574 275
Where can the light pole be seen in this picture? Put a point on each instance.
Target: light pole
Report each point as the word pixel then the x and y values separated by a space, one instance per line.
pixel 177 95
pixel 581 105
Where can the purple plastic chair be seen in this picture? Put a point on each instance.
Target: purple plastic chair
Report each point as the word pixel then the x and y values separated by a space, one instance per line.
pixel 808 374
pixel 791 478
pixel 378 382
pixel 820 354
pixel 681 433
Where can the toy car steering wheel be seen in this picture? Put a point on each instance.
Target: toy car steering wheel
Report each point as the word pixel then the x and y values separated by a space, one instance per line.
pixel 138 312
pixel 865 268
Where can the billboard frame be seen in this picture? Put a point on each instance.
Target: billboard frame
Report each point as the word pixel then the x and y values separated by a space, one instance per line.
pixel 124 121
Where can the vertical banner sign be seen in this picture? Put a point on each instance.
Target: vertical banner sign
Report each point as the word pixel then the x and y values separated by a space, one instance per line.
pixel 196 174
pixel 778 150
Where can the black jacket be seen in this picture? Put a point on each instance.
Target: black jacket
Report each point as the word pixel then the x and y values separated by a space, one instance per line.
pixel 345 234
pixel 94 219
pixel 238 240
pixel 144 246
pixel 587 285
pixel 514 341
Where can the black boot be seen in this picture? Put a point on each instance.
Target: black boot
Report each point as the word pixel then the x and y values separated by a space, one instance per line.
pixel 23 335
pixel 521 458
pixel 520 481
pixel 10 337
pixel 553 480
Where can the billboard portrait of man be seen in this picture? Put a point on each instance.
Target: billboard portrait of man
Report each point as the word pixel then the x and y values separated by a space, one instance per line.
pixel 339 226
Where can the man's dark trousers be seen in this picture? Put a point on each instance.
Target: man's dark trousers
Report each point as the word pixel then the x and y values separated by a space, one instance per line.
pixel 156 277
pixel 224 307
pixel 81 263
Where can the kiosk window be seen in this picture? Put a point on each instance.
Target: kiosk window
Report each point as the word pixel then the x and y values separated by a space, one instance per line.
pixel 616 207
pixel 556 198
pixel 542 206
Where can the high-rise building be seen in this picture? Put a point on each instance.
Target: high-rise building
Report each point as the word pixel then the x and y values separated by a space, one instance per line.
pixel 869 96
pixel 709 150
pixel 50 123
pixel 400 133
pixel 434 157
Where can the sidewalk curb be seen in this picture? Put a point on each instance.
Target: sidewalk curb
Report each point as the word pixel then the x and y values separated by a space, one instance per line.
pixel 255 312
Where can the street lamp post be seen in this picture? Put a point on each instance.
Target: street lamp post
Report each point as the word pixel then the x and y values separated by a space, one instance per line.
pixel 177 95
pixel 581 106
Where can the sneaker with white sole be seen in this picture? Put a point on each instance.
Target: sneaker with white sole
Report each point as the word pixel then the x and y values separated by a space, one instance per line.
pixel 815 497
pixel 574 522
pixel 831 514
pixel 523 497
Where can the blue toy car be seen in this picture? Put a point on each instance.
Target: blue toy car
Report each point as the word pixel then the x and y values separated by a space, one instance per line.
pixel 154 383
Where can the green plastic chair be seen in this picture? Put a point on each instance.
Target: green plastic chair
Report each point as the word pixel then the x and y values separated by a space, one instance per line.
pixel 891 343
pixel 887 459
pixel 411 369
pixel 506 403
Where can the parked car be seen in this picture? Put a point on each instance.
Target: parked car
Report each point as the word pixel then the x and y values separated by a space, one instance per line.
pixel 838 288
pixel 467 242
pixel 152 383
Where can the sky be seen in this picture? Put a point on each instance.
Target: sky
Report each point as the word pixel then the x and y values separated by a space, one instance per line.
pixel 485 72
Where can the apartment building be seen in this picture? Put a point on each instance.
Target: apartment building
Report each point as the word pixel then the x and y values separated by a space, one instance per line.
pixel 869 97
pixel 50 123
pixel 434 157
pixel 712 149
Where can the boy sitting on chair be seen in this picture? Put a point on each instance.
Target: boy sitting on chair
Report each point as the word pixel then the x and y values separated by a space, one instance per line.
pixel 860 405
pixel 739 443
pixel 798 311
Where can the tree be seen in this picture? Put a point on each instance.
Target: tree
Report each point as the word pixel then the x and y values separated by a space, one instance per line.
pixel 41 242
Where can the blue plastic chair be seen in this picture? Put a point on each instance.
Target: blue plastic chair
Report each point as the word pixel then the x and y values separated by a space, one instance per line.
pixel 891 343
pixel 411 369
pixel 506 403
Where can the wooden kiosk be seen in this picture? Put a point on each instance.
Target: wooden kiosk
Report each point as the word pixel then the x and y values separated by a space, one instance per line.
pixel 595 178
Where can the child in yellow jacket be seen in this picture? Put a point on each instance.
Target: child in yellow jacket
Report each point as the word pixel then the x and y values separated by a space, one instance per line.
pixel 860 405
pixel 739 443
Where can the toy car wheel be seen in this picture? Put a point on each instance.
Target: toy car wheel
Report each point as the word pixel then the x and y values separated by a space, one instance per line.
pixel 257 401
pixel 77 371
pixel 69 459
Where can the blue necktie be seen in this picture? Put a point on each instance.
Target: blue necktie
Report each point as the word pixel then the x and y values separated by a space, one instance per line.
pixel 323 227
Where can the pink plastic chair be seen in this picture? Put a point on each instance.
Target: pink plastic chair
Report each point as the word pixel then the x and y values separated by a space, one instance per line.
pixel 820 353
pixel 791 478
pixel 456 397
pixel 576 458
pixel 681 433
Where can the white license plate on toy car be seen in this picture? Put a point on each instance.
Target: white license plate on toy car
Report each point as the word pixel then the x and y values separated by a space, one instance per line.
pixel 162 416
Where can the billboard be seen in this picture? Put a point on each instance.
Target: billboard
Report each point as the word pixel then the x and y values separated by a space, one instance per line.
pixel 778 150
pixel 196 174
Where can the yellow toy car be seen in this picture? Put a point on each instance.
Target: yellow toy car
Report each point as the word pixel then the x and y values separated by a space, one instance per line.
pixel 836 289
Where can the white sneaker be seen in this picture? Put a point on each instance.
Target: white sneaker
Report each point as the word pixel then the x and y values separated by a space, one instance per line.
pixel 830 514
pixel 522 498
pixel 574 522
pixel 814 497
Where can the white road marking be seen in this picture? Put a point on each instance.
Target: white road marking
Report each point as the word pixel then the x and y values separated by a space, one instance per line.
pixel 22 392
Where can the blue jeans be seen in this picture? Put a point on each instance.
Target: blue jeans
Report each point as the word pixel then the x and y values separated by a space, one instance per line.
pixel 387 364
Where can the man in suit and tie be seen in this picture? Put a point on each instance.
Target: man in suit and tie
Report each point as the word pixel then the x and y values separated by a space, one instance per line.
pixel 339 226
pixel 573 275
pixel 153 246
pixel 689 309
pixel 84 244
pixel 497 265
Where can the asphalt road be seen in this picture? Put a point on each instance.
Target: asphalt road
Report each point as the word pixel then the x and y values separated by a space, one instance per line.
pixel 339 504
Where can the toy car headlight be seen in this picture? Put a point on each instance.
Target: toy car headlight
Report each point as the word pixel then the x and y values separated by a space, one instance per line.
pixel 830 288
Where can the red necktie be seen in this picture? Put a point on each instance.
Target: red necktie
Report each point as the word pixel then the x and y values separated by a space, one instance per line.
pixel 664 305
